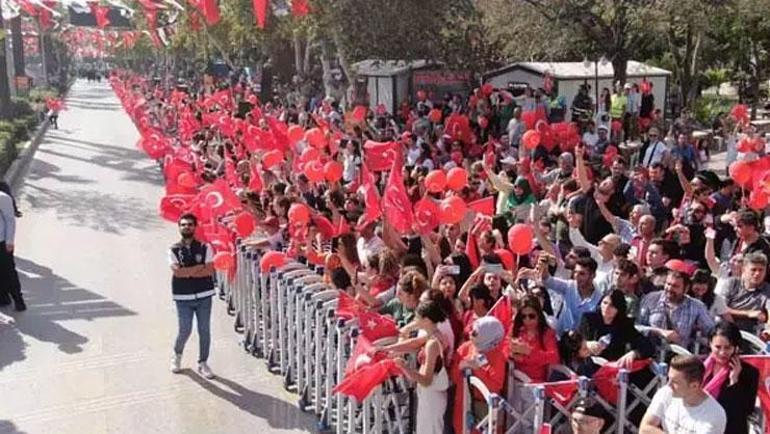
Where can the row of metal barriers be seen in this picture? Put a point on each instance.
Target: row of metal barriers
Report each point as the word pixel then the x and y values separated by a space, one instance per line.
pixel 288 318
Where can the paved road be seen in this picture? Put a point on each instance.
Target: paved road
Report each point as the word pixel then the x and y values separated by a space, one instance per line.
pixel 91 355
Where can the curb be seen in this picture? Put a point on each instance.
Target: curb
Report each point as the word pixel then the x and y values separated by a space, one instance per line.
pixel 21 163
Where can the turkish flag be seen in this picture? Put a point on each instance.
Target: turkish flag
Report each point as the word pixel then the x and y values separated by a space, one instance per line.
pixel 300 8
pixel 459 128
pixel 762 363
pixel 255 180
pixel 606 379
pixel 561 391
pixel 172 206
pixel 366 369
pixel 210 11
pixel 375 326
pixel 395 201
pixel 372 210
pixel 484 206
pixel 503 311
pixel 280 133
pixel 260 12
pixel 154 145
pixel 218 199
pixel 348 307
pixel 379 156
pixel 324 226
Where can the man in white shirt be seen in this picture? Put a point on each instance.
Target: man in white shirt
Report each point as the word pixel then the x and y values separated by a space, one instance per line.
pixel 682 406
pixel 368 243
pixel 656 150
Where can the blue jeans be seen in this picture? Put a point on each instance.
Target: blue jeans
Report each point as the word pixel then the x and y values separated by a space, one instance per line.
pixel 201 309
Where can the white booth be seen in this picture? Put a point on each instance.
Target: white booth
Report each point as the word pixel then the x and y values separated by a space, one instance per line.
pixel 569 76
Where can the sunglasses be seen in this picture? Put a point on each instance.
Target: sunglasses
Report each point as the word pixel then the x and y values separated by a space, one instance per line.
pixel 526 316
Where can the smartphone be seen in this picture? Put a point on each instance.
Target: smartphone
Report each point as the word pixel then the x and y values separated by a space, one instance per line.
pixel 453 270
pixel 482 360
pixel 493 268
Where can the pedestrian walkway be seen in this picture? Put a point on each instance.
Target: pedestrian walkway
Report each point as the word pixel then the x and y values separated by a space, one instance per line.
pixel 92 353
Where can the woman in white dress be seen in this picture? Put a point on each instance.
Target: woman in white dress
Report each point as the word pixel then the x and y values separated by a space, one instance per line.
pixel 431 377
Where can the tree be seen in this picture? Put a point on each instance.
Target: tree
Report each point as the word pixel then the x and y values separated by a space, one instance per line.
pixel 5 90
pixel 613 28
pixel 685 23
pixel 741 34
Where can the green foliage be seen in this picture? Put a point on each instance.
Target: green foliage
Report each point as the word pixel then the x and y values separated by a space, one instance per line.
pixel 8 151
pixel 708 107
pixel 41 93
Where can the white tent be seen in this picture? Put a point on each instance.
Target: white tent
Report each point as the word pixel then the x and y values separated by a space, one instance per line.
pixel 569 76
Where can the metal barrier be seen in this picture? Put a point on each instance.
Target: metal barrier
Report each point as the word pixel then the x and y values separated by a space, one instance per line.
pixel 288 317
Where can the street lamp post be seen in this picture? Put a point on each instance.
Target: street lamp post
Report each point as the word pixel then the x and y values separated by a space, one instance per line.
pixel 587 64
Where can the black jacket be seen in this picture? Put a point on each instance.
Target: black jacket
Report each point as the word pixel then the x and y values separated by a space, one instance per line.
pixel 624 337
pixel 738 400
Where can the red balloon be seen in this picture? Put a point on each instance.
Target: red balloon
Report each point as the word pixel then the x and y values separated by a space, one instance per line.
pixel 740 171
pixel 435 116
pixel 426 215
pixel 272 158
pixel 314 170
pixel 309 154
pixel 295 134
pixel 186 179
pixel 487 89
pixel 244 224
pixel 520 238
pixel 333 171
pixel 315 137
pixel 758 200
pixel 530 139
pixel 452 210
pixel 456 178
pixel 435 181
pixel 299 214
pixel 272 260
pixel 223 261
pixel 483 122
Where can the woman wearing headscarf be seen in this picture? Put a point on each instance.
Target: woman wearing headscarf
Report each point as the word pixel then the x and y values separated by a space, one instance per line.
pixel 484 355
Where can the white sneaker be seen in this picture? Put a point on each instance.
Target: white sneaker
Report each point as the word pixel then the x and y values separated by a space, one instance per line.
pixel 176 363
pixel 205 371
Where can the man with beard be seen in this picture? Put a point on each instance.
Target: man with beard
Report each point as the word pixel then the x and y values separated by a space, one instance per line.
pixel 672 314
pixel 192 284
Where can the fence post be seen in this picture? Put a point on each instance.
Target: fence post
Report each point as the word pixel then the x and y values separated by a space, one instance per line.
pixel 622 400
pixel 539 392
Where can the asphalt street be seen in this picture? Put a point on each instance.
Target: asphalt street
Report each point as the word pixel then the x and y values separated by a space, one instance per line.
pixel 92 353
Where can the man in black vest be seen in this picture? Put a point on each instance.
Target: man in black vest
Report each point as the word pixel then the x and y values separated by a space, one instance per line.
pixel 192 263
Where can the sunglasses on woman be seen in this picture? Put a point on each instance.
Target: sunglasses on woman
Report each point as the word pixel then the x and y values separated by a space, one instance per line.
pixel 528 316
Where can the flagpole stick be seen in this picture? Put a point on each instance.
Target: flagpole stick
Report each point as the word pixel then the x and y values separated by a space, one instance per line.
pixel 41 37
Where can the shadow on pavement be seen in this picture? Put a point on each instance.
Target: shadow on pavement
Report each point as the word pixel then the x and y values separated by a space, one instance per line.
pixel 51 299
pixel 135 164
pixel 43 170
pixel 279 414
pixel 95 210
pixel 8 427
pixel 90 105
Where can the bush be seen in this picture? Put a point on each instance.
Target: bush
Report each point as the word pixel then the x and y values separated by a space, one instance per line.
pixel 40 94
pixel 709 107
pixel 8 151
pixel 20 107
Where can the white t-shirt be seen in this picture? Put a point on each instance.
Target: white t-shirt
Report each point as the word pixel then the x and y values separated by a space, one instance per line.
pixel 368 248
pixel 677 418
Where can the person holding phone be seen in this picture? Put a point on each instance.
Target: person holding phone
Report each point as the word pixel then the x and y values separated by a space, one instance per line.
pixel 732 382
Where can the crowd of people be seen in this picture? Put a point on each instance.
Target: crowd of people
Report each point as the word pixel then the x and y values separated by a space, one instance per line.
pixel 439 214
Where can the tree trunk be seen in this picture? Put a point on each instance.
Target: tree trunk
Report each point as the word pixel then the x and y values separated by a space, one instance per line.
pixel 350 74
pixel 619 66
pixel 5 90
pixel 18 47
pixel 298 57
pixel 326 68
